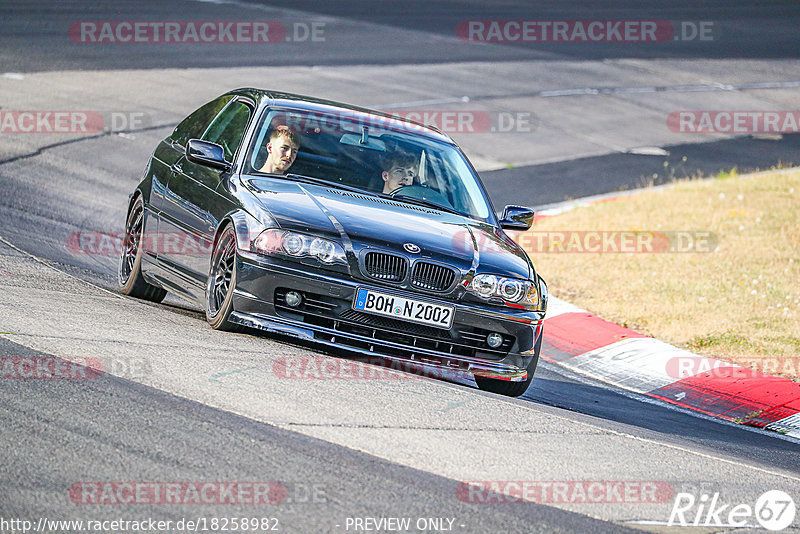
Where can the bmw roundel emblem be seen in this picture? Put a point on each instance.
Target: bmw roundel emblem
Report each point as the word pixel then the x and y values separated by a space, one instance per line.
pixel 411 247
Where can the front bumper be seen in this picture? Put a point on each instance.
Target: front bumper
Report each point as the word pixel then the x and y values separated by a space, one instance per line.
pixel 326 317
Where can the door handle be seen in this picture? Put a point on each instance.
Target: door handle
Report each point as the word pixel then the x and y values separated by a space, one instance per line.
pixel 176 168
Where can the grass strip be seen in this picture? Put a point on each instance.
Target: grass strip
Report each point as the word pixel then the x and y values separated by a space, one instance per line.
pixel 711 265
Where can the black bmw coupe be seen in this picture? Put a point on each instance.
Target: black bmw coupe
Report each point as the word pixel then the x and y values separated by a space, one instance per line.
pixel 340 225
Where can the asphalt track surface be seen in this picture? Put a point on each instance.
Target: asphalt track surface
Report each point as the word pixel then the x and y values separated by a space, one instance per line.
pixel 405 452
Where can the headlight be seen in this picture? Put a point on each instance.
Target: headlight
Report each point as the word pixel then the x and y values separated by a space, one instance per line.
pixel 485 285
pixel 514 292
pixel 298 246
pixel 323 250
pixel 294 244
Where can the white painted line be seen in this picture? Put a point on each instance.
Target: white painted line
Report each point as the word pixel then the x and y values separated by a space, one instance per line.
pixel 648 151
pixel 789 424
pixel 697 88
pixel 429 102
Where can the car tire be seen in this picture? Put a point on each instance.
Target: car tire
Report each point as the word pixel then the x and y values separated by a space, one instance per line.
pixel 221 283
pixel 129 274
pixel 511 389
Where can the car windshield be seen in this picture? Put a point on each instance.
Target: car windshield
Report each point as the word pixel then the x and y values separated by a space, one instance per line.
pixel 373 154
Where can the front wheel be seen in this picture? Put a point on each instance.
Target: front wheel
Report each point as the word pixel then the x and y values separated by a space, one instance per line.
pixel 129 275
pixel 505 387
pixel 222 282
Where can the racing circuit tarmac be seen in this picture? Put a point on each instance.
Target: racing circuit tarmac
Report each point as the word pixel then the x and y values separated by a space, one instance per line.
pixel 182 402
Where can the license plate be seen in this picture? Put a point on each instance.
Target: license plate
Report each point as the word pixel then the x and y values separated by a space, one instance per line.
pixel 402 308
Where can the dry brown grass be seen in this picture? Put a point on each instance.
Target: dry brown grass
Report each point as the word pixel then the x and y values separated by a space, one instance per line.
pixel 739 303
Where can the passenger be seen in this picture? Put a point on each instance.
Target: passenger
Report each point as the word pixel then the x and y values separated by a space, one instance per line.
pixel 281 150
pixel 399 170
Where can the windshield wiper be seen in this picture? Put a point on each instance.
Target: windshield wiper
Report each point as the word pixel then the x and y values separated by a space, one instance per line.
pixel 325 183
pixel 426 203
pixel 317 181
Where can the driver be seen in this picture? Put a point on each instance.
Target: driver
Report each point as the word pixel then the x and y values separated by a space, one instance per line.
pixel 399 170
pixel 281 150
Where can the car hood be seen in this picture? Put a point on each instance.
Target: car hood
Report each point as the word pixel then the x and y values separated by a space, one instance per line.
pixel 363 221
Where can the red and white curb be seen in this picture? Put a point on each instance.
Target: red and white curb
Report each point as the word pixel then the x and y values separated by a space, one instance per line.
pixel 589 345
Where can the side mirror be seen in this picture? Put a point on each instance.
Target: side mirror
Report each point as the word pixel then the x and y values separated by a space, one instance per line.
pixel 517 218
pixel 208 154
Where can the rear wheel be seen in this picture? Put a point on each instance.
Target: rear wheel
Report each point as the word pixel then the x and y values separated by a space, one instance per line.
pixel 129 275
pixel 511 389
pixel 222 282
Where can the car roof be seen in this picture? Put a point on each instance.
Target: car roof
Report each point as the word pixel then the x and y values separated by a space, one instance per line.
pixel 310 103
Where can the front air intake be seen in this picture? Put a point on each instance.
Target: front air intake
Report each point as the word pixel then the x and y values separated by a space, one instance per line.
pixel 385 267
pixel 432 276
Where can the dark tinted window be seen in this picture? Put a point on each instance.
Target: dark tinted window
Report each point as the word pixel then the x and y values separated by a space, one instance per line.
pixel 351 149
pixel 228 128
pixel 193 126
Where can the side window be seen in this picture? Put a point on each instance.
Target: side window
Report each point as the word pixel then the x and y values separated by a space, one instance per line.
pixel 228 128
pixel 193 126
